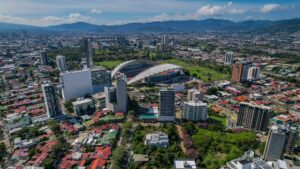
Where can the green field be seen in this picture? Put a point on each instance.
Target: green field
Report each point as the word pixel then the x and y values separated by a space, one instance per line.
pixel 203 73
pixel 109 64
pixel 218 120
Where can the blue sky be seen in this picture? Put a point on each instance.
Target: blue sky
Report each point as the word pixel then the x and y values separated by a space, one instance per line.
pixel 112 12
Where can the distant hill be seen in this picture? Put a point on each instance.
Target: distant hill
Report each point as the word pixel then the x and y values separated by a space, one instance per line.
pixel 189 26
pixel 15 27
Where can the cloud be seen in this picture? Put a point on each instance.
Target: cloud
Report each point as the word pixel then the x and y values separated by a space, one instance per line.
pixel 210 10
pixel 47 20
pixel 96 11
pixel 269 8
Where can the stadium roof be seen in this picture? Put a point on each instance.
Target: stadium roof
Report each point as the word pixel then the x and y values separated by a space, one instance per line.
pixel 152 71
pixel 120 66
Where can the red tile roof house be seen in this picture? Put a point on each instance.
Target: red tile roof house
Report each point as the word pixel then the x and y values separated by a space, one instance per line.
pixel 98 164
pixel 67 127
pixel 100 156
pixel 38 159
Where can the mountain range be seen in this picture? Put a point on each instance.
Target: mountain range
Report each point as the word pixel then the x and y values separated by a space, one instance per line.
pixel 189 26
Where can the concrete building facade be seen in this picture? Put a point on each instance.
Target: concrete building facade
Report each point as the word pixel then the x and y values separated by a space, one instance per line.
pixel 195 111
pixel 255 117
pixel 167 105
pixel 51 100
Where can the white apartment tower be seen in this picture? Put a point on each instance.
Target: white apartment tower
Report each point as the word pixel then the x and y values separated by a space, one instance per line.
pixel 195 111
pixel 61 63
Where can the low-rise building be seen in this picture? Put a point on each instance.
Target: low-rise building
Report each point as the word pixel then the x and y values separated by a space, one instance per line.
pixel 17 120
pixel 158 139
pixel 83 106
pixel 185 164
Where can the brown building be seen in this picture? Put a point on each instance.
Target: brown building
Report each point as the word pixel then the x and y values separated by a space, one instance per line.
pixel 237 70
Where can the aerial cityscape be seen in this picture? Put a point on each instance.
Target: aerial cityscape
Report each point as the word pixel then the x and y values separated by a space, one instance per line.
pixel 169 84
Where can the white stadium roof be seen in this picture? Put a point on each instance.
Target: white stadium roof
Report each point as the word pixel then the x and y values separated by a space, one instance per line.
pixel 120 66
pixel 152 71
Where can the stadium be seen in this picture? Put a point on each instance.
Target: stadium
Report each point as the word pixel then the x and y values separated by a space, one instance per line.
pixel 145 71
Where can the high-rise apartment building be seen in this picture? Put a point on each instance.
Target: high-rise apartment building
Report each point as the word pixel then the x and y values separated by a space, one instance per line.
pixel 194 95
pixel 44 58
pixel 76 84
pixel 275 144
pixel 100 78
pixel 253 73
pixel 51 100
pixel 61 63
pixel 167 105
pixel 240 72
pixel 291 139
pixel 229 58
pixel 116 97
pixel 164 40
pixel 195 111
pixel 88 52
pixel 252 116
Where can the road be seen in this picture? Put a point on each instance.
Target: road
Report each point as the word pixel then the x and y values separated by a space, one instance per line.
pixel 180 133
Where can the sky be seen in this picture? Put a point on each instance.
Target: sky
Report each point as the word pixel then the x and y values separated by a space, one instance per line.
pixel 115 12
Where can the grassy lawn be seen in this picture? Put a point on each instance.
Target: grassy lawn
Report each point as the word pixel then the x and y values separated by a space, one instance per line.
pixel 109 64
pixel 216 148
pixel 218 120
pixel 203 73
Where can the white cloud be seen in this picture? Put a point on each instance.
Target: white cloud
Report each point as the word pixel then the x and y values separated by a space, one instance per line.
pixel 96 11
pixel 45 21
pixel 210 10
pixel 269 8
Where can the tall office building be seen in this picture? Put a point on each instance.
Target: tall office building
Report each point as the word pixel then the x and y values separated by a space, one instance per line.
pixel 51 100
pixel 116 97
pixel 195 111
pixel 253 73
pixel 164 40
pixel 76 84
pixel 88 52
pixel 240 72
pixel 229 58
pixel 122 41
pixel 255 117
pixel 44 58
pixel 167 105
pixel 291 139
pixel 100 78
pixel 194 95
pixel 61 63
pixel 121 86
pixel 275 144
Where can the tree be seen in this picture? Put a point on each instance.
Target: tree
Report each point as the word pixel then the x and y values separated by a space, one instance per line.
pixel 48 163
pixel 118 157
pixel 54 127
pixel 212 91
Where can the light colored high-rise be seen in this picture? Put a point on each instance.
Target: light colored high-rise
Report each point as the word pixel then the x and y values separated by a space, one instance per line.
pixel 167 105
pixel 275 144
pixel 76 84
pixel 88 52
pixel 195 111
pixel 164 40
pixel 116 97
pixel 255 117
pixel 194 95
pixel 253 73
pixel 229 58
pixel 61 63
pixel 51 100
